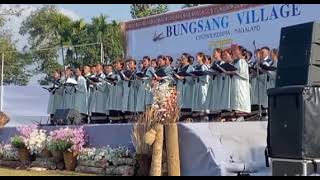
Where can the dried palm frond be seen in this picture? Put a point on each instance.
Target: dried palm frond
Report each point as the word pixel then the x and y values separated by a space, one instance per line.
pixel 164 110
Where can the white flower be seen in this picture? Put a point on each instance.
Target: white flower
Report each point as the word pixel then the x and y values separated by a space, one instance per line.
pixel 37 141
pixel 8 152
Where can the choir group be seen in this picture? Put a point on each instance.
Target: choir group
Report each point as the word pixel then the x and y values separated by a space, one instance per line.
pixel 229 86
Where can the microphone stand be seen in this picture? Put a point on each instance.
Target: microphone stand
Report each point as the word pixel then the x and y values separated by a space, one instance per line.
pixel 258 71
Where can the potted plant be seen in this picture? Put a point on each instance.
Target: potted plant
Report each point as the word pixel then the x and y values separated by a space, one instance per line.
pixel 55 150
pixel 23 152
pixel 30 141
pixel 69 142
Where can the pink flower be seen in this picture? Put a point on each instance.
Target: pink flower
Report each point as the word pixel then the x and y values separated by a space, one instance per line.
pixel 76 136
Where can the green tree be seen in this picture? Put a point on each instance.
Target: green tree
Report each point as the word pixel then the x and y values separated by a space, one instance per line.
pixel 15 64
pixel 189 5
pixel 144 10
pixel 47 28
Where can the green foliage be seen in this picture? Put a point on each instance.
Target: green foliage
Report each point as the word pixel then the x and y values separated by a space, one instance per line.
pixel 144 10
pixel 15 64
pixel 48 28
pixel 59 145
pixel 17 142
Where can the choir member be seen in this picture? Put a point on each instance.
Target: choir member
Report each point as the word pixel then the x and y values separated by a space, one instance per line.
pixel 161 60
pixel 240 98
pixel 215 84
pixel 169 61
pixel 144 94
pixel 185 88
pixel 200 89
pixel 263 78
pixel 56 94
pixel 130 89
pixel 248 56
pixel 115 98
pixel 154 64
pixel 224 104
pixel 253 79
pixel 86 71
pixel 93 70
pixel 177 64
pixel 81 94
pixel 69 90
pixel 208 61
pixel 272 74
pixel 98 98
pixel 169 69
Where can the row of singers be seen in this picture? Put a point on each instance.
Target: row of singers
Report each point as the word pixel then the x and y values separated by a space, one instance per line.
pixel 230 82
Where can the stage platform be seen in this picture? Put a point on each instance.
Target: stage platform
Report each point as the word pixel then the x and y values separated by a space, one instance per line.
pixel 206 149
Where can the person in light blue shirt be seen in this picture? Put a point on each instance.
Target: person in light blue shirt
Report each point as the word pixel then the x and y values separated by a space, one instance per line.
pixel 69 90
pixel 144 97
pixel 200 90
pixel 185 88
pixel 56 94
pixel 215 86
pixel 81 94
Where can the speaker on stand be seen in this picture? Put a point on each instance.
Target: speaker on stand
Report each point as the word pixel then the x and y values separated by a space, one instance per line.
pixel 294 104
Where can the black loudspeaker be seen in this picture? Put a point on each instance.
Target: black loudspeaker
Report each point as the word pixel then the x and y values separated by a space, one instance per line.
pixel 294 122
pixel 299 61
pixel 67 117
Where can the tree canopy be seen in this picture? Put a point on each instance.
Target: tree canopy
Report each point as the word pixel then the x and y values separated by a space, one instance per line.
pixel 16 64
pixel 144 10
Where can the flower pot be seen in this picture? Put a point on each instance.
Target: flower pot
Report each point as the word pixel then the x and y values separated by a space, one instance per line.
pixel 57 156
pixel 70 160
pixel 45 154
pixel 24 155
pixel 144 163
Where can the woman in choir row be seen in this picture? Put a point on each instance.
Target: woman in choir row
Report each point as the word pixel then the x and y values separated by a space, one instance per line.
pixel 118 92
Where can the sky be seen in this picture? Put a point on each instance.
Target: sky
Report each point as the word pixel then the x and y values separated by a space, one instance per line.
pixel 119 12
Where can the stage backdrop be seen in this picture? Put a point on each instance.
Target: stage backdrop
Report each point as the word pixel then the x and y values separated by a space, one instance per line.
pixel 204 28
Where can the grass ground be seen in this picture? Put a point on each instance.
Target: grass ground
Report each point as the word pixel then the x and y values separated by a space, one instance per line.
pixel 14 172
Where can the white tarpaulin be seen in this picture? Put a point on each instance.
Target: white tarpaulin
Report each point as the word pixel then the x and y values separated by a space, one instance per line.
pixel 261 24
pixel 25 104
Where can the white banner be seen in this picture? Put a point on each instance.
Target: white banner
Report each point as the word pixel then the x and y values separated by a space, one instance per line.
pixel 261 24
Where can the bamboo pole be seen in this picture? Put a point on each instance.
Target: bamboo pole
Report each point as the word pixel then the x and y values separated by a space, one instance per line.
pixel 172 146
pixel 156 164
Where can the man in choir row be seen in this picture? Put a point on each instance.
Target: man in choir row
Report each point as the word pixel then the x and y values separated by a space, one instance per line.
pixel 263 81
pixel 223 87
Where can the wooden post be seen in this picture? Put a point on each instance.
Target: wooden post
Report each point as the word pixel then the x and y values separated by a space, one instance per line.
pixel 156 163
pixel 172 145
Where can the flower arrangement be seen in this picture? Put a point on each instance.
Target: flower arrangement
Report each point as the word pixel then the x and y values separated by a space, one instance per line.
pixel 67 139
pixel 165 103
pixel 8 152
pixel 37 141
pixel 30 137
